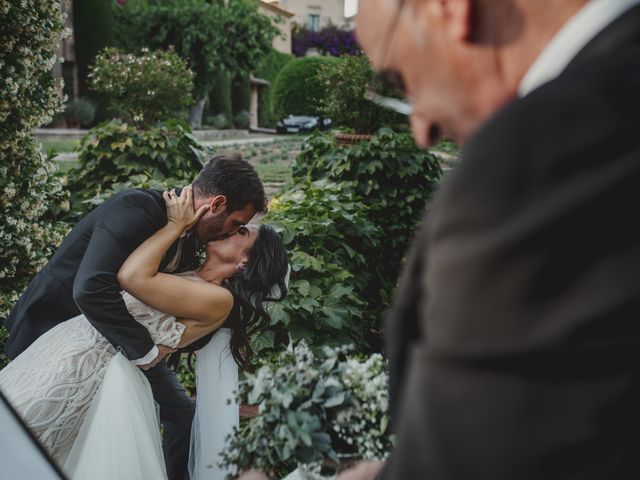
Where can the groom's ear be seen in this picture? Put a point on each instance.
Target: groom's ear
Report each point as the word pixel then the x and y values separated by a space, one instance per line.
pixel 217 204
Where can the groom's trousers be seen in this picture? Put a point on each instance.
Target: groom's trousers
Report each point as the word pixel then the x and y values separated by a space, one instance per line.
pixel 176 415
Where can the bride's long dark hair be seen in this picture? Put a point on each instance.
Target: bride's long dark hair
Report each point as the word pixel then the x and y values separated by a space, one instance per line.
pixel 261 280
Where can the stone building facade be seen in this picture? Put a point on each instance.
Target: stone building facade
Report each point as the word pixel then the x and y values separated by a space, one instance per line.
pixel 315 14
pixel 282 20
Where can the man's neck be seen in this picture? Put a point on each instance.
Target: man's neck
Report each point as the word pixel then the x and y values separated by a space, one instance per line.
pixel 532 26
pixel 573 37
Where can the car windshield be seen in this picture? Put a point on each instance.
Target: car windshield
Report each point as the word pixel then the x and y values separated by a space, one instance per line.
pixel 298 119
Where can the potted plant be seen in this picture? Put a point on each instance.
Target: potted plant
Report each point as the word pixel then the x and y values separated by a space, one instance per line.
pixel 318 412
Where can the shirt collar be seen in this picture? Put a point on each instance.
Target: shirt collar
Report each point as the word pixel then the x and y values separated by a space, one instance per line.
pixel 590 20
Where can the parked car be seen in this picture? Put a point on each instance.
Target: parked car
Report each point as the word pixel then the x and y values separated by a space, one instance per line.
pixel 302 123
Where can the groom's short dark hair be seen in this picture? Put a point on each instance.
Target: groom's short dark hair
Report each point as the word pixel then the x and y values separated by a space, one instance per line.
pixel 233 177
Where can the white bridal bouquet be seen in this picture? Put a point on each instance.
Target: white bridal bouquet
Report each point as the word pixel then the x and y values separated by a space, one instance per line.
pixel 317 412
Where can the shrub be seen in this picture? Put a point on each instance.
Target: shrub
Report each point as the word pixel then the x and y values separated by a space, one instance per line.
pixel 28 189
pixel 220 95
pixel 80 112
pixel 297 90
pixel 389 173
pixel 116 155
pixel 221 121
pixel 327 234
pixel 145 88
pixel 313 408
pixel 242 120
pixel 347 222
pixel 268 69
pixel 346 81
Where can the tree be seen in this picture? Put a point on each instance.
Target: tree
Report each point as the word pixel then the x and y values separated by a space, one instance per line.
pixel 210 35
pixel 143 89
pixel 93 30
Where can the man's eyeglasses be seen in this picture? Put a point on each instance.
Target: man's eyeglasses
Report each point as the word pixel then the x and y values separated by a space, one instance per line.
pixel 395 104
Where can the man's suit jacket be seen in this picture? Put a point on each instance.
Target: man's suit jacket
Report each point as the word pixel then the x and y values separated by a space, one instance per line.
pixel 81 275
pixel 514 342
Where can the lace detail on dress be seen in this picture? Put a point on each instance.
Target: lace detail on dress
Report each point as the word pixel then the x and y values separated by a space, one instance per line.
pixel 51 384
pixel 163 328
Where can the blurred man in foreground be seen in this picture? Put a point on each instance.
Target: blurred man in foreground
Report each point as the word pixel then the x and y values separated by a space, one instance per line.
pixel 514 342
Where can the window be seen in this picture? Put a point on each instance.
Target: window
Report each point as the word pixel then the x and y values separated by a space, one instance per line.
pixel 313 22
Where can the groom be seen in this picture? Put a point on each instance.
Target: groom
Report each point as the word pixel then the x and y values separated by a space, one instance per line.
pixel 81 278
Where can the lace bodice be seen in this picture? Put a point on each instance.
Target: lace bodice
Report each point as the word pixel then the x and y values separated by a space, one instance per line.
pixel 164 329
pixel 52 382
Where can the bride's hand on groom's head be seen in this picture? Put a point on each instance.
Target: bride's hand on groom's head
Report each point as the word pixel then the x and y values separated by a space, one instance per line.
pixel 180 210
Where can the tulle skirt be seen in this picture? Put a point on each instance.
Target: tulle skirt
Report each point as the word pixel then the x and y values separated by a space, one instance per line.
pixel 120 436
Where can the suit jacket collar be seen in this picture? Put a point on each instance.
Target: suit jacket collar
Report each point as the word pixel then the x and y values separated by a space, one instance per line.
pixel 591 20
pixel 625 30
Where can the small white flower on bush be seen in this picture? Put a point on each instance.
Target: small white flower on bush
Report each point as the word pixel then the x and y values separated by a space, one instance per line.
pixel 28 99
pixel 313 408
pixel 158 83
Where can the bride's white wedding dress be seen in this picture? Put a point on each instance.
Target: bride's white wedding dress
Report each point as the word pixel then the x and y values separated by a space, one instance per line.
pixel 93 410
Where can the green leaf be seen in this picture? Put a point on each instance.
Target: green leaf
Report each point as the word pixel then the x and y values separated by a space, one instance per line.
pixel 335 400
pixel 302 286
pixel 264 340
pixel 335 316
pixel 309 304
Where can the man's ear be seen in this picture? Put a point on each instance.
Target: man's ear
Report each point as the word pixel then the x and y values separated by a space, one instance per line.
pixel 217 204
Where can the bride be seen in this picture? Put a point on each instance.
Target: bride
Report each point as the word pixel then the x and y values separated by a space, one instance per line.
pixel 72 383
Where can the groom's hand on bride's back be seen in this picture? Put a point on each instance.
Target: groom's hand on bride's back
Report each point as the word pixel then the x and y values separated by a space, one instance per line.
pixel 163 351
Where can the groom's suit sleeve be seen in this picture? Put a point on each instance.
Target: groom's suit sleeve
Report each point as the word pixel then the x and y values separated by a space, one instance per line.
pixel 130 220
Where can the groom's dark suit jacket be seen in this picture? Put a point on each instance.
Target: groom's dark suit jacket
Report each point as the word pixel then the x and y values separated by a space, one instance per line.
pixel 514 342
pixel 81 275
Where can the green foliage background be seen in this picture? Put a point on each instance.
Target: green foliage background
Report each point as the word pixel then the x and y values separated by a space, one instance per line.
pixel 220 95
pixel 268 69
pixel 389 174
pixel 346 81
pixel 347 222
pixel 296 90
pixel 117 155
pixel 210 35
pixel 327 234
pixel 143 88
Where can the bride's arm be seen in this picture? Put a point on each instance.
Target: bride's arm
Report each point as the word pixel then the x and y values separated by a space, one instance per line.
pixel 196 329
pixel 203 306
